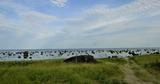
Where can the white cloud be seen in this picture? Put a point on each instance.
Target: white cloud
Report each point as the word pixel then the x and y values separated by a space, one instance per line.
pixel 101 23
pixel 37 19
pixel 99 26
pixel 38 16
pixel 59 3
pixel 30 26
pixel 99 17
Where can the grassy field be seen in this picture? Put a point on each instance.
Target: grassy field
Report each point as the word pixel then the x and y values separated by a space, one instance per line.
pixel 140 70
pixel 147 68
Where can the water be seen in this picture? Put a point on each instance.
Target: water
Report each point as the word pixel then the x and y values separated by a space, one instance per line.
pixel 41 54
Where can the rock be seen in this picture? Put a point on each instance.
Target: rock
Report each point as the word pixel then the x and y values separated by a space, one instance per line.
pixel 132 53
pixel 25 54
pixel 81 59
pixel 114 56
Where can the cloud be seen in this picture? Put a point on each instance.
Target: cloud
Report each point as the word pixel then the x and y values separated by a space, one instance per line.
pixel 28 26
pixel 130 25
pixel 98 24
pixel 37 19
pixel 99 17
pixel 59 3
pixel 38 16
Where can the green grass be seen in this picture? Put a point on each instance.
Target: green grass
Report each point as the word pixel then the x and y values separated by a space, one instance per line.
pixel 146 59
pixel 147 68
pixel 57 72
pixel 105 71
pixel 148 62
pixel 114 60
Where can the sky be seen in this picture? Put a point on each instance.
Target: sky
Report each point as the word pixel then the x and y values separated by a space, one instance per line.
pixel 35 24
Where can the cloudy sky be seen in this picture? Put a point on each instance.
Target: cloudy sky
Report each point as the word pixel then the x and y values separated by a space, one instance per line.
pixel 79 23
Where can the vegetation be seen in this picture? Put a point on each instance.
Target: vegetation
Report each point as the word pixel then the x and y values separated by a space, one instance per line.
pixel 55 72
pixel 146 59
pixel 135 70
pixel 114 60
pixel 147 67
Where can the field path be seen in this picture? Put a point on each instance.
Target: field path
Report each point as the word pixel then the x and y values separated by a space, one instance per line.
pixel 130 77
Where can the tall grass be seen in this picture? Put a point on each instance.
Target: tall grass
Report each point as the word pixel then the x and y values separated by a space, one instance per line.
pixel 114 60
pixel 146 59
pixel 147 67
pixel 57 72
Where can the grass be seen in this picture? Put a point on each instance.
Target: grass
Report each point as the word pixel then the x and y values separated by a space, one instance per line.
pixel 146 59
pixel 57 72
pixel 114 60
pixel 147 67
pixel 148 62
pixel 106 71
